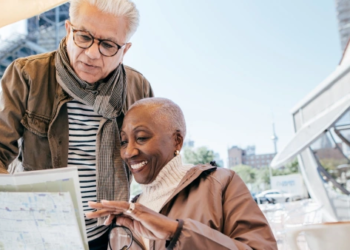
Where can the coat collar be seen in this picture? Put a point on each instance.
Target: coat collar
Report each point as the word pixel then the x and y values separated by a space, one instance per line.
pixel 190 176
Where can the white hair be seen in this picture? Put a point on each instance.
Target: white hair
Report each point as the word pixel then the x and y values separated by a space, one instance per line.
pixel 165 112
pixel 118 8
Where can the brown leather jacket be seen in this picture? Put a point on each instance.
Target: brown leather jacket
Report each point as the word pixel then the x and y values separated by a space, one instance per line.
pixel 218 213
pixel 33 109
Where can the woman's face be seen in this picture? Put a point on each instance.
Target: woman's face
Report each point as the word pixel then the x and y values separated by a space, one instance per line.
pixel 146 146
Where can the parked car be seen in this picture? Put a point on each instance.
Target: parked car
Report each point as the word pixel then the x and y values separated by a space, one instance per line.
pixel 277 196
pixel 260 200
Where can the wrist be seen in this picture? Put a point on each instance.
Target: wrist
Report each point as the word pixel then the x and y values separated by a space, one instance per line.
pixel 170 244
pixel 173 226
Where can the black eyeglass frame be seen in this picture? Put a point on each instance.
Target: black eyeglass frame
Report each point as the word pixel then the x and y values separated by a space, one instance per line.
pixel 127 230
pixel 93 40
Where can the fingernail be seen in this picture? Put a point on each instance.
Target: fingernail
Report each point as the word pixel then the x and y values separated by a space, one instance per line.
pixel 103 201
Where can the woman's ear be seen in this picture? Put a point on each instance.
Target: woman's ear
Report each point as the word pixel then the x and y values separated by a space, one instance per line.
pixel 179 140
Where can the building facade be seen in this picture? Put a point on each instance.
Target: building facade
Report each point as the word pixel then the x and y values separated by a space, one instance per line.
pixel 343 15
pixel 238 156
pixel 322 142
pixel 44 32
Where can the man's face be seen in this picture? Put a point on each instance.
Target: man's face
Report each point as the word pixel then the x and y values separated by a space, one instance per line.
pixel 89 64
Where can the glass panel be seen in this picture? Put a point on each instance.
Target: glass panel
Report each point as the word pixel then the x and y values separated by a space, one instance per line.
pixel 344 120
pixel 336 167
pixel 332 151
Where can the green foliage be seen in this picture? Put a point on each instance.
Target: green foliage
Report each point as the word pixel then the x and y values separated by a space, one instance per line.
pixel 247 173
pixel 331 164
pixel 135 189
pixel 289 168
pixel 201 155
pixel 257 178
pixel 263 175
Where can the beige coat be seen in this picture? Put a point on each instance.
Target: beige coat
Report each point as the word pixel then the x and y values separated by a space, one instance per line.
pixel 33 108
pixel 218 213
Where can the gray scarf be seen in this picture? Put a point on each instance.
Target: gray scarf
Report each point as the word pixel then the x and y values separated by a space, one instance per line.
pixel 107 100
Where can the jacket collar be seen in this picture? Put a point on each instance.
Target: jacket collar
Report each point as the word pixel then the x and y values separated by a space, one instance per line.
pixel 190 176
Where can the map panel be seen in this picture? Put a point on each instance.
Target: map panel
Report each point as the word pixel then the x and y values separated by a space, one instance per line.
pixel 38 221
pixel 54 180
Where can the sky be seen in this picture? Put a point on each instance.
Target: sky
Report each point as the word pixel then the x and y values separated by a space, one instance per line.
pixel 236 66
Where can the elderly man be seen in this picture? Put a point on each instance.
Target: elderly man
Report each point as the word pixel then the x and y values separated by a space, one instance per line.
pixel 67 106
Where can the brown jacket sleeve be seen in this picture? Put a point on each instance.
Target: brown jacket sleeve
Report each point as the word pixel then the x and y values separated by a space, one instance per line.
pixel 13 99
pixel 244 225
pixel 138 87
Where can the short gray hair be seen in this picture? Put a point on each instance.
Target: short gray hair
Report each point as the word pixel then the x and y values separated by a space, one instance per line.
pixel 164 111
pixel 118 8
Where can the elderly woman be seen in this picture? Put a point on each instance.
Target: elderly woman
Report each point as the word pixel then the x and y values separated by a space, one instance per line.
pixel 181 206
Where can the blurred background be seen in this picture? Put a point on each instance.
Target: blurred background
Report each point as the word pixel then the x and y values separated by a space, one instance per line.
pixel 261 84
pixel 234 67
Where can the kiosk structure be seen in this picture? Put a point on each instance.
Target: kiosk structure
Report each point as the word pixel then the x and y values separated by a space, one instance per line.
pixel 322 142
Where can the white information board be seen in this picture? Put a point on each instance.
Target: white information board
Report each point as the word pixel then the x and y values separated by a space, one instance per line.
pixel 56 180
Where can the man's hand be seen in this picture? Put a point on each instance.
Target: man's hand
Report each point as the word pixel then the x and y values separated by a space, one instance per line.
pixel 142 220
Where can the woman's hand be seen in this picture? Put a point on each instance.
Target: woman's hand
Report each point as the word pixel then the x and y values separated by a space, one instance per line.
pixel 142 220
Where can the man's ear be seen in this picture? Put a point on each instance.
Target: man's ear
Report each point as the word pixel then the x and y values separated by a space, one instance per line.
pixel 68 30
pixel 127 47
pixel 179 140
pixel 66 24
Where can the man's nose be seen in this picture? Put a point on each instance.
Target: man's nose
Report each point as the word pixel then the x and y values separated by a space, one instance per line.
pixel 93 52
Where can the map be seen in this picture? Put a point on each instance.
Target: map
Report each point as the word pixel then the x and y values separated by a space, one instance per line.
pixel 59 180
pixel 38 221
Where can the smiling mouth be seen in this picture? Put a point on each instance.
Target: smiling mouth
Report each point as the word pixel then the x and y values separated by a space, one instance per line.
pixel 138 165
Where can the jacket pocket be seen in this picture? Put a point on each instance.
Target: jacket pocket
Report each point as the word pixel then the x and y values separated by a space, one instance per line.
pixel 36 124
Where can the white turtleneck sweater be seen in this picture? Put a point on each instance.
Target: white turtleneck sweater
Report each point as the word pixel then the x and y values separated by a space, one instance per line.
pixel 155 194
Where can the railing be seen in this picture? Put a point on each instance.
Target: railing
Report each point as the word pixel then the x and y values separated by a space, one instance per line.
pixel 44 34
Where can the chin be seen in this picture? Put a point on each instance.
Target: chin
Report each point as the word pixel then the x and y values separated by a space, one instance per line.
pixel 141 181
pixel 88 78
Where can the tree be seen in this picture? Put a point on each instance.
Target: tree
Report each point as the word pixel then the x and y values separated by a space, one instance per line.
pixel 258 179
pixel 247 173
pixel 135 188
pixel 201 155
pixel 263 177
pixel 289 168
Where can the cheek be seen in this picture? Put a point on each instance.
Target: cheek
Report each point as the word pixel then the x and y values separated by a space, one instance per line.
pixel 72 51
pixel 110 64
pixel 122 152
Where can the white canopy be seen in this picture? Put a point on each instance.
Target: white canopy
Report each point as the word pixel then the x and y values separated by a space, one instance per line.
pixel 15 10
pixel 311 131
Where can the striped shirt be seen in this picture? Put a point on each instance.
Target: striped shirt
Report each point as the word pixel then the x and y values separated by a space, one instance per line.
pixel 83 127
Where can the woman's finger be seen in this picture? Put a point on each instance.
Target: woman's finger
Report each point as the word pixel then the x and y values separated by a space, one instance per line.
pixel 95 204
pixel 109 219
pixel 125 221
pixel 115 204
pixel 99 213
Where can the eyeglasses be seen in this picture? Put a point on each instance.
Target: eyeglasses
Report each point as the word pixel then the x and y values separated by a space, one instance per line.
pixel 83 39
pixel 122 235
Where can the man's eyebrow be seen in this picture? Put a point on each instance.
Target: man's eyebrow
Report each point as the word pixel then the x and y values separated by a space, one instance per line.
pixel 103 38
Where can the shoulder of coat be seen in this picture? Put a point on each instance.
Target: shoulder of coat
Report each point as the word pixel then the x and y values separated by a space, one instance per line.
pixel 131 70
